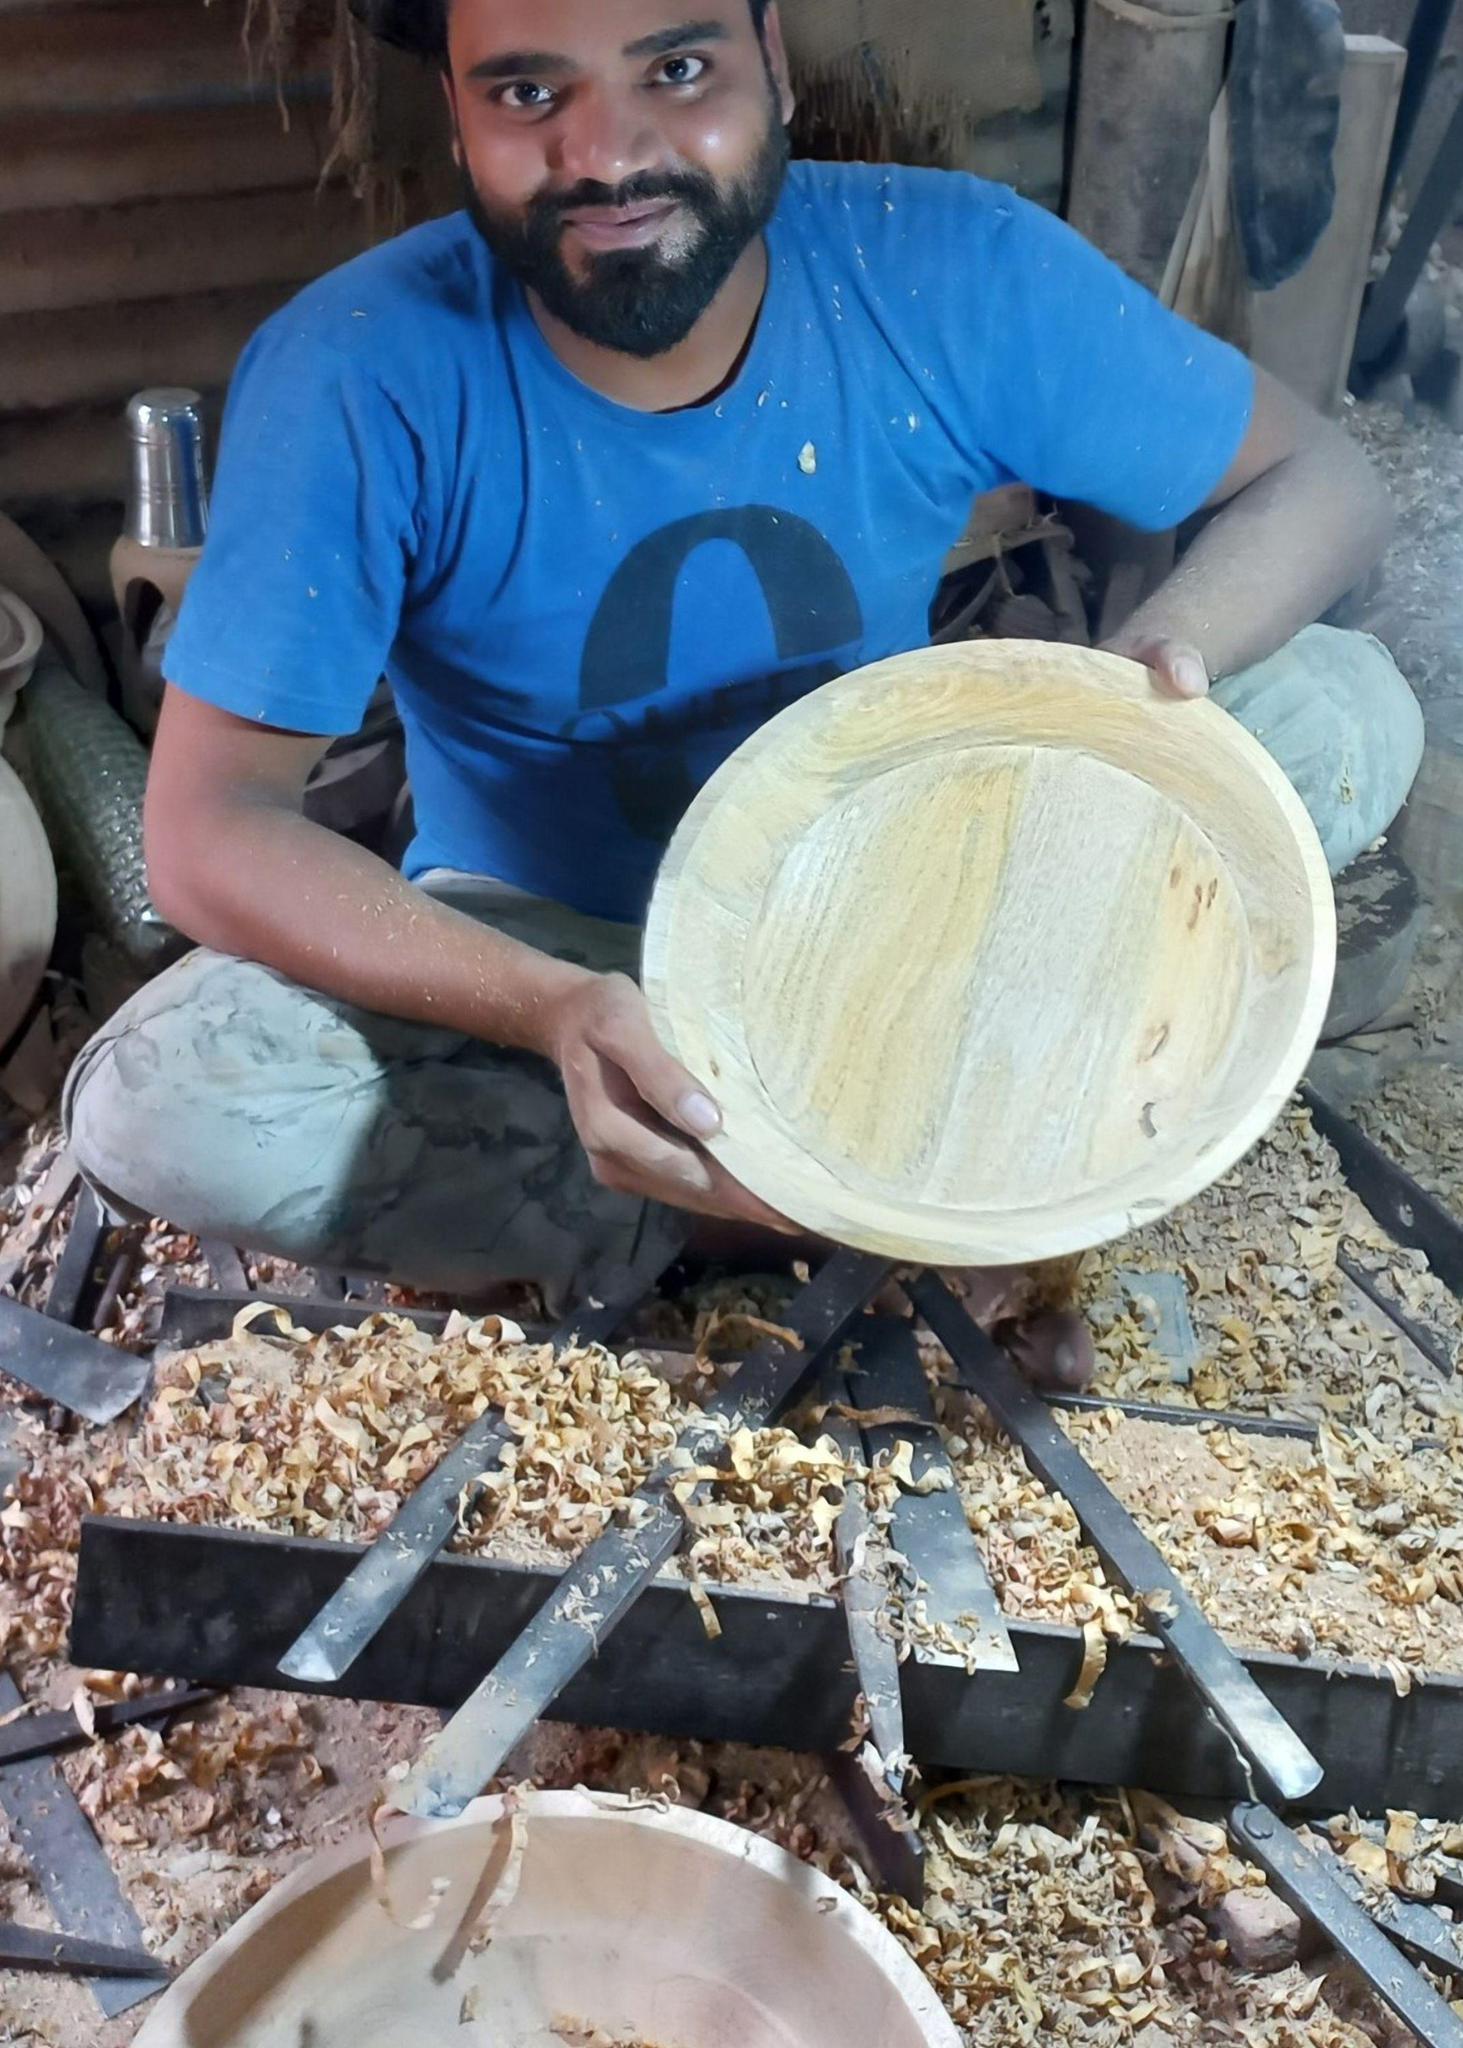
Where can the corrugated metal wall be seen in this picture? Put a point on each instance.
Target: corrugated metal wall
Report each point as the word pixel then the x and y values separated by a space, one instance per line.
pixel 155 205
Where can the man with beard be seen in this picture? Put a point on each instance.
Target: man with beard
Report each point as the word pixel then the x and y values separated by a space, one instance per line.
pixel 656 435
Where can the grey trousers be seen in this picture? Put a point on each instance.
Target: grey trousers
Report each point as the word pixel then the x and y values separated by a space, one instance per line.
pixel 242 1107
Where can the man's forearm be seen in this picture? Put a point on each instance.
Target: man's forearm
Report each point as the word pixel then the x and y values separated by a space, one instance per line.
pixel 1271 560
pixel 273 887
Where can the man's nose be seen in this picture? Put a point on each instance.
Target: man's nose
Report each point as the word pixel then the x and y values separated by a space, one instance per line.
pixel 605 138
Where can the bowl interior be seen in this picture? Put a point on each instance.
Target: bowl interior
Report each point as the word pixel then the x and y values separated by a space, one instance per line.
pixel 990 953
pixel 624 1933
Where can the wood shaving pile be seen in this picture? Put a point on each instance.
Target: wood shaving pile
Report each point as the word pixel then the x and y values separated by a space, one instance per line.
pixel 1417 1117
pixel 1056 1916
pixel 1351 1547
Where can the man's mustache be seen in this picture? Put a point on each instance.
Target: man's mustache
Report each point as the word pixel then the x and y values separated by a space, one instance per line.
pixel 644 189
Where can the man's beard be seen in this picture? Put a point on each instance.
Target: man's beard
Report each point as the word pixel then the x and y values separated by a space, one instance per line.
pixel 638 301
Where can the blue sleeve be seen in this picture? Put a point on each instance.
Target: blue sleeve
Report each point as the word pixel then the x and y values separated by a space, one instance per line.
pixel 1093 390
pixel 292 611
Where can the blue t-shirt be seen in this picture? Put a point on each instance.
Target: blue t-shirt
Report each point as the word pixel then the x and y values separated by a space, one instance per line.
pixel 583 609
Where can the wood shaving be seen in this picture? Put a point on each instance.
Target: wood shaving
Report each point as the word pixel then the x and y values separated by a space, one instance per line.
pixel 1094 1663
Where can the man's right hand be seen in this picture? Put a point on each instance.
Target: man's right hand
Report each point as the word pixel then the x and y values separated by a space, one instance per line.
pixel 639 1114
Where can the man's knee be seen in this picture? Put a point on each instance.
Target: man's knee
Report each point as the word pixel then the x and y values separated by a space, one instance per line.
pixel 169 1108
pixel 1335 711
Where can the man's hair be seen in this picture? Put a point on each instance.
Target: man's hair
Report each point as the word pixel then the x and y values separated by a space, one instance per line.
pixel 421 25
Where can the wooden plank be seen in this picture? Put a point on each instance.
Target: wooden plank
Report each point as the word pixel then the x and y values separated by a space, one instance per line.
pixel 1304 330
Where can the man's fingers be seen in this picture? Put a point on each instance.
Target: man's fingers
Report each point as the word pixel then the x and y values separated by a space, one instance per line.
pixel 633 1153
pixel 1177 667
pixel 624 1033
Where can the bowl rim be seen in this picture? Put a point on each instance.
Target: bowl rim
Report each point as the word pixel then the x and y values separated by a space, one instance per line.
pixel 165 2026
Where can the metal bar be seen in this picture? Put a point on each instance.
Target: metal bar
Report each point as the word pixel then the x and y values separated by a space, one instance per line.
pixel 1429 215
pixel 616 1569
pixel 1262 1736
pixel 1426 1341
pixel 1400 1204
pixel 95 1380
pixel 76 1281
pixel 80 1886
pixel 897 1853
pixel 1415 1928
pixel 864 1591
pixel 192 1316
pixel 929 1530
pixel 419 1529
pixel 1308 1888
pixel 1164 1411
pixel 46 1734
pixel 222 1605
pixel 226 1266
pixel 1424 44
pixel 37 1948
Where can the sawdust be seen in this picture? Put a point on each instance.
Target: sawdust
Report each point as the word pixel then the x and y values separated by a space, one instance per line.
pixel 1350 1548
pixel 1054 1915
pixel 1419 611
pixel 1417 1117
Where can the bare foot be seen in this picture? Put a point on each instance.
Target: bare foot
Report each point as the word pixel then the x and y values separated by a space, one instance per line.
pixel 1053 1347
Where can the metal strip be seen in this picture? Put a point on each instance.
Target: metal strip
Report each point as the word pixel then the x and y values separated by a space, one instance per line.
pixel 1273 1749
pixel 896 1853
pixel 864 1592
pixel 420 1528
pixel 81 1888
pixel 37 1948
pixel 1309 1889
pixel 930 1529
pixel 1425 1340
pixel 223 1605
pixel 613 1572
pixel 92 1379
pixel 227 1268
pixel 1400 1204
pixel 1415 1928
pixel 77 1280
pixel 1193 1418
pixel 48 1733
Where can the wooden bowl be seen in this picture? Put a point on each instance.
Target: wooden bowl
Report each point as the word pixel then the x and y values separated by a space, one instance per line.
pixel 672 1930
pixel 990 953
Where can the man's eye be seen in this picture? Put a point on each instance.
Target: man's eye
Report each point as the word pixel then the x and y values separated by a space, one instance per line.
pixel 682 70
pixel 523 96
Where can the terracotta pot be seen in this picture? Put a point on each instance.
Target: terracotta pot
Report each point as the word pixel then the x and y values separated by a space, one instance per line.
pixel 628 1926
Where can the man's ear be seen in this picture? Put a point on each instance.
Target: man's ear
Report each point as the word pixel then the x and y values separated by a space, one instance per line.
pixel 777 63
pixel 451 97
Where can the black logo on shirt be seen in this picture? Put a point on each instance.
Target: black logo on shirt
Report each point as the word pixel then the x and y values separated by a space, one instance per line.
pixel 814 612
